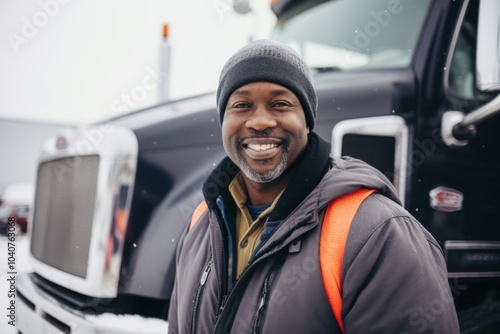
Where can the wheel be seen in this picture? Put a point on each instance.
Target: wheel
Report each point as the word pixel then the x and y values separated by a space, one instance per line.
pixel 482 319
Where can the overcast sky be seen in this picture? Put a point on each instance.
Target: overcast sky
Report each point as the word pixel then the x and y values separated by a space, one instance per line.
pixel 82 60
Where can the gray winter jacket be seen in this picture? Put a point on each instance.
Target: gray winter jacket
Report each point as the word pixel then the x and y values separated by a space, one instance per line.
pixel 394 274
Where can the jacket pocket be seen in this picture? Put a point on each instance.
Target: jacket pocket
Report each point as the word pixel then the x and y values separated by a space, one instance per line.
pixel 265 293
pixel 199 292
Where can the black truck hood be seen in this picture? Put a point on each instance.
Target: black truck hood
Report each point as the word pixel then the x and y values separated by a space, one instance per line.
pixel 186 122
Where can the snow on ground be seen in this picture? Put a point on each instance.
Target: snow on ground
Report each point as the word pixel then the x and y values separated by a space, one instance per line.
pixel 129 324
pixel 126 323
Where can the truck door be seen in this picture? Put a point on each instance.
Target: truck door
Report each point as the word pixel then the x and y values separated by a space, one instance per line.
pixel 457 185
pixel 461 178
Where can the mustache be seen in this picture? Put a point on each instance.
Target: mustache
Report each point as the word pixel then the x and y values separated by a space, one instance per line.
pixel 263 134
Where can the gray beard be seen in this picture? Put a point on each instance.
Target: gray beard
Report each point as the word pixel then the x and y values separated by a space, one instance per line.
pixel 268 176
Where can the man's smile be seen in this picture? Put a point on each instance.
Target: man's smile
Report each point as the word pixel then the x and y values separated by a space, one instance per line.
pixel 262 148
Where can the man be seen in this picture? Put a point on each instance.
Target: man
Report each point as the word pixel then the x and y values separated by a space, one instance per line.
pixel 250 264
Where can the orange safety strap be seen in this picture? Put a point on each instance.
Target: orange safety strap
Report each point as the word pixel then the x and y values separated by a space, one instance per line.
pixel 200 209
pixel 336 225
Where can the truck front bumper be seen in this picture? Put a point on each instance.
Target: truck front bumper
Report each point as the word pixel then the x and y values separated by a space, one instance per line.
pixel 38 312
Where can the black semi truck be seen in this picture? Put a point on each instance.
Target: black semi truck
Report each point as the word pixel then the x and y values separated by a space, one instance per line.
pixel 410 86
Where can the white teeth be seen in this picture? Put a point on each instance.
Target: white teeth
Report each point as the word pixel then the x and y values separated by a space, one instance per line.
pixel 261 147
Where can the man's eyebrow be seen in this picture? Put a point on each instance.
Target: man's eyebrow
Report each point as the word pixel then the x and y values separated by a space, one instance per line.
pixel 275 92
pixel 241 92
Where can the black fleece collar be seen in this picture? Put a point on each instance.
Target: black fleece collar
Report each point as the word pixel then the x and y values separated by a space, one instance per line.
pixel 313 165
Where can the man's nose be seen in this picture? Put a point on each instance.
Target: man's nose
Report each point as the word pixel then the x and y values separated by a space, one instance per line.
pixel 261 119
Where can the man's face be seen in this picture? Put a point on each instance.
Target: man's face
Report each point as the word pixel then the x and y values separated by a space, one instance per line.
pixel 264 130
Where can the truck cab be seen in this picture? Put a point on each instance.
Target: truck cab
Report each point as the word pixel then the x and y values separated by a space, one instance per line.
pixel 411 87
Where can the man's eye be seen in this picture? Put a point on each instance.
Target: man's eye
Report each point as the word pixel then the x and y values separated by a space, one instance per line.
pixel 280 104
pixel 241 105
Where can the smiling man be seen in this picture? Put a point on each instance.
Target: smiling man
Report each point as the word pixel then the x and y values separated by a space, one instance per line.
pixel 251 263
pixel 264 148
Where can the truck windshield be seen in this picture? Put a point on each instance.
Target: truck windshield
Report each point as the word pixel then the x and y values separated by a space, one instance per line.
pixel 352 34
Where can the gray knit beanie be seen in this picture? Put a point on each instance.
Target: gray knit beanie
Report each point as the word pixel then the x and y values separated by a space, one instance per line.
pixel 266 60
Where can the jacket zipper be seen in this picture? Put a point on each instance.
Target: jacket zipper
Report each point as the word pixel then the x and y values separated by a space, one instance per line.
pixel 264 295
pixel 199 291
pixel 222 266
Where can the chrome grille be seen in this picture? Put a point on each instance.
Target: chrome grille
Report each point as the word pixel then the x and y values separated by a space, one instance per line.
pixel 64 212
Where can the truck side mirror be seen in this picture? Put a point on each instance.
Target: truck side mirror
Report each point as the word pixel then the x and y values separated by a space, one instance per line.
pixel 456 127
pixel 488 47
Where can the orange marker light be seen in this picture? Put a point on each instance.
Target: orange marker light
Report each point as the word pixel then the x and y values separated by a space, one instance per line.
pixel 165 31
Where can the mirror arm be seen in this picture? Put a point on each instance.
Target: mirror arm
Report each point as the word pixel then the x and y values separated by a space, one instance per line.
pixel 466 129
pixel 464 132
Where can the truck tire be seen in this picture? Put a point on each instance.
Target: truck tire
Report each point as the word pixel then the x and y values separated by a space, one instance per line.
pixel 482 319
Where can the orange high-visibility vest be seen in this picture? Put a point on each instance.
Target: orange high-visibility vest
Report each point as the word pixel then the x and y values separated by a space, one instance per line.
pixel 336 225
